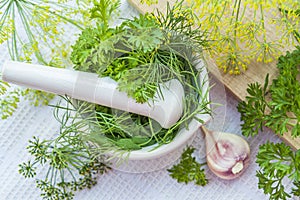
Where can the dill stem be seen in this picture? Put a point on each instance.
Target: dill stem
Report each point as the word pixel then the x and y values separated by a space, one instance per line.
pixel 235 12
pixel 237 18
pixel 48 173
pixel 152 131
pixel 52 174
pixel 9 11
pixel 72 174
pixel 28 31
pixel 62 175
pixel 263 23
pixel 223 11
pixel 55 176
pixel 73 22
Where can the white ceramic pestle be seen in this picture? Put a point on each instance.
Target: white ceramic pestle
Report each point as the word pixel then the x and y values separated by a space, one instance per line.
pixel 166 108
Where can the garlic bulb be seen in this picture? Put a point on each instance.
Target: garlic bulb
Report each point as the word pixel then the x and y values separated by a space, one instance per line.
pixel 227 154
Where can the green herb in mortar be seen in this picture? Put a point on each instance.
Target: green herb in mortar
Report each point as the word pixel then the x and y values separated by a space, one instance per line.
pixel 140 54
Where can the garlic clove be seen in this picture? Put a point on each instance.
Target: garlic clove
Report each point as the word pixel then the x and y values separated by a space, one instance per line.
pixel 227 154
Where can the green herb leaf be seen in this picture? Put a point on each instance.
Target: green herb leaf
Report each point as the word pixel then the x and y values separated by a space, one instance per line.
pixel 253 110
pixel 103 10
pixel 144 33
pixel 128 144
pixel 276 162
pixel 188 169
pixel 282 111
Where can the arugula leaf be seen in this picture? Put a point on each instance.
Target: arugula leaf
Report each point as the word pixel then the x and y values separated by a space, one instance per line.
pixel 276 162
pixel 188 169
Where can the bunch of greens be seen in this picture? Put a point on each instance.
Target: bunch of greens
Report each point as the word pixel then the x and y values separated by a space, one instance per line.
pixel 139 54
pixel 242 32
pixel 278 108
pixel 71 165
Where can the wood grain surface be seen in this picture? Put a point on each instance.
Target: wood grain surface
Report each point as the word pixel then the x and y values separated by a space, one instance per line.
pixel 236 84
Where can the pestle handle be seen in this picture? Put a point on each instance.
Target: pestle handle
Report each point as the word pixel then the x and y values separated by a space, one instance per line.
pixel 76 84
pixel 85 86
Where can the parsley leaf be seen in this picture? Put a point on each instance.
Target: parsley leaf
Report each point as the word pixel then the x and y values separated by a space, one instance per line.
pixel 282 111
pixel 279 109
pixel 253 109
pixel 276 162
pixel 188 169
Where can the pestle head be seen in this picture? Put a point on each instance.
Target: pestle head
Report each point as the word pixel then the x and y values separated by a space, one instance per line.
pixel 168 109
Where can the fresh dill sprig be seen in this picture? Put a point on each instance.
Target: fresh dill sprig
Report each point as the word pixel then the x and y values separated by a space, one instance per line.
pixel 71 166
pixel 242 32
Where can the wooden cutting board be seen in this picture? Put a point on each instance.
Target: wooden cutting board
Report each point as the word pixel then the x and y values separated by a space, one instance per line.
pixel 236 84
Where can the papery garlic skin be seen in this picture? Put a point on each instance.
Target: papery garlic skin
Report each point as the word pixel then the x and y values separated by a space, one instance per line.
pixel 228 154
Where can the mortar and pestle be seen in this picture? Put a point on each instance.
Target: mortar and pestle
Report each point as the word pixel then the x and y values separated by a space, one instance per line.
pixel 166 107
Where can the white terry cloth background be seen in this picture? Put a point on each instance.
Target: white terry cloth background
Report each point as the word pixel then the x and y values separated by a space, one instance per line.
pixel 28 121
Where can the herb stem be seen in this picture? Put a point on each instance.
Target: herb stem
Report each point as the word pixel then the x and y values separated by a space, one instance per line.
pixel 263 23
pixel 29 33
pixel 70 21
pixel 72 174
pixel 237 19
